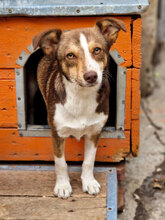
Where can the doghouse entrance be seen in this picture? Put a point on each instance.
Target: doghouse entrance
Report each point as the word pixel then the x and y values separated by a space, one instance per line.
pixel 32 116
pixel 35 106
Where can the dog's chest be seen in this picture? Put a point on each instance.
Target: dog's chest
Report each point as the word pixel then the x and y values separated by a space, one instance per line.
pixel 78 117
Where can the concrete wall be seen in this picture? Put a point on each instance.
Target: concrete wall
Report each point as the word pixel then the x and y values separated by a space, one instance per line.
pixel 149 35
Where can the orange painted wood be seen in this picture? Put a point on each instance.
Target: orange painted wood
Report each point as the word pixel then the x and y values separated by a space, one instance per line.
pixel 135 137
pixel 8 106
pixel 8 111
pixel 128 101
pixel 14 147
pixel 136 43
pixel 7 74
pixel 16 34
pixel 135 111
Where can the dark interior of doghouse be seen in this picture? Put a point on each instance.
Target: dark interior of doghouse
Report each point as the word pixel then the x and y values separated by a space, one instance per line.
pixel 35 106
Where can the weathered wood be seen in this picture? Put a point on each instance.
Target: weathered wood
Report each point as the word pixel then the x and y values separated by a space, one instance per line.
pixel 7 74
pixel 8 114
pixel 41 183
pixel 14 147
pixel 135 111
pixel 52 208
pixel 135 135
pixel 135 108
pixel 136 43
pixel 16 34
pixel 29 195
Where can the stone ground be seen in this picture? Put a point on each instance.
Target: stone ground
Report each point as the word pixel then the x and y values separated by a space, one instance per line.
pixel 143 201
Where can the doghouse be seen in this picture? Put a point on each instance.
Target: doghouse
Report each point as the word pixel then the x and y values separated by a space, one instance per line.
pixel 24 133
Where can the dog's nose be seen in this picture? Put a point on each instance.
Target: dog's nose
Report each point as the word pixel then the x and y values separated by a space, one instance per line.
pixel 90 77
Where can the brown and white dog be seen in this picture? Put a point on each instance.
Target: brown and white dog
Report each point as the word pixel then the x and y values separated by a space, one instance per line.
pixel 72 77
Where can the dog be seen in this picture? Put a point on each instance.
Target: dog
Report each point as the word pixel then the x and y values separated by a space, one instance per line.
pixel 73 79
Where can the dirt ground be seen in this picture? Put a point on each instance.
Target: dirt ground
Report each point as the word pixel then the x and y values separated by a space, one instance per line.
pixel 145 175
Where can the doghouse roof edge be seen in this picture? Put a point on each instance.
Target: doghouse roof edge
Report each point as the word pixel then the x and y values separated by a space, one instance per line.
pixel 71 7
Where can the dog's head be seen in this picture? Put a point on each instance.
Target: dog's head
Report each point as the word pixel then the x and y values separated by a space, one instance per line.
pixel 81 53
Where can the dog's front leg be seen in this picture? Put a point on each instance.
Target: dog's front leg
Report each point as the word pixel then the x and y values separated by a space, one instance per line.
pixel 62 187
pixel 89 183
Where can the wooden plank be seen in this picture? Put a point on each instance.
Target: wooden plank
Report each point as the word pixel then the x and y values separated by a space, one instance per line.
pixel 135 111
pixel 136 43
pixel 8 114
pixel 135 108
pixel 52 208
pixel 16 34
pixel 135 137
pixel 7 74
pixel 14 147
pixel 41 183
pixel 29 195
pixel 123 43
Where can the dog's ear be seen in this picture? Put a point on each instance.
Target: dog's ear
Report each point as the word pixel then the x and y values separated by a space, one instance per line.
pixel 47 41
pixel 110 27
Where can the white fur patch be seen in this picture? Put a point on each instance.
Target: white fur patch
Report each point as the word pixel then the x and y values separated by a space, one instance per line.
pixel 77 117
pixel 62 188
pixel 91 64
pixel 89 183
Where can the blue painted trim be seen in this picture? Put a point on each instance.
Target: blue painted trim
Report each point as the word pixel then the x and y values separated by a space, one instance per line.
pixel 112 194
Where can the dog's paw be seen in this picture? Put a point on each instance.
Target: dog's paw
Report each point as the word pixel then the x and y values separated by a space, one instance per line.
pixel 62 189
pixel 91 186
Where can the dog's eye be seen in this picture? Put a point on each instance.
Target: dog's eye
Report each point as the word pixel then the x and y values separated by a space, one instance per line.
pixel 70 55
pixel 97 50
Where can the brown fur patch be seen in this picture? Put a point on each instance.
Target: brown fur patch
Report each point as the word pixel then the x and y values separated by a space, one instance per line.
pixel 47 40
pixel 53 91
pixel 103 97
pixel 109 28
pixel 95 139
pixel 58 143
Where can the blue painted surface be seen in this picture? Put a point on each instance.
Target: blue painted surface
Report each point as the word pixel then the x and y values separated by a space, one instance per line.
pixel 112 194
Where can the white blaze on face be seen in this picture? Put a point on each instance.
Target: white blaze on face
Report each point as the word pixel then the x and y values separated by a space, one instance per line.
pixel 90 63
